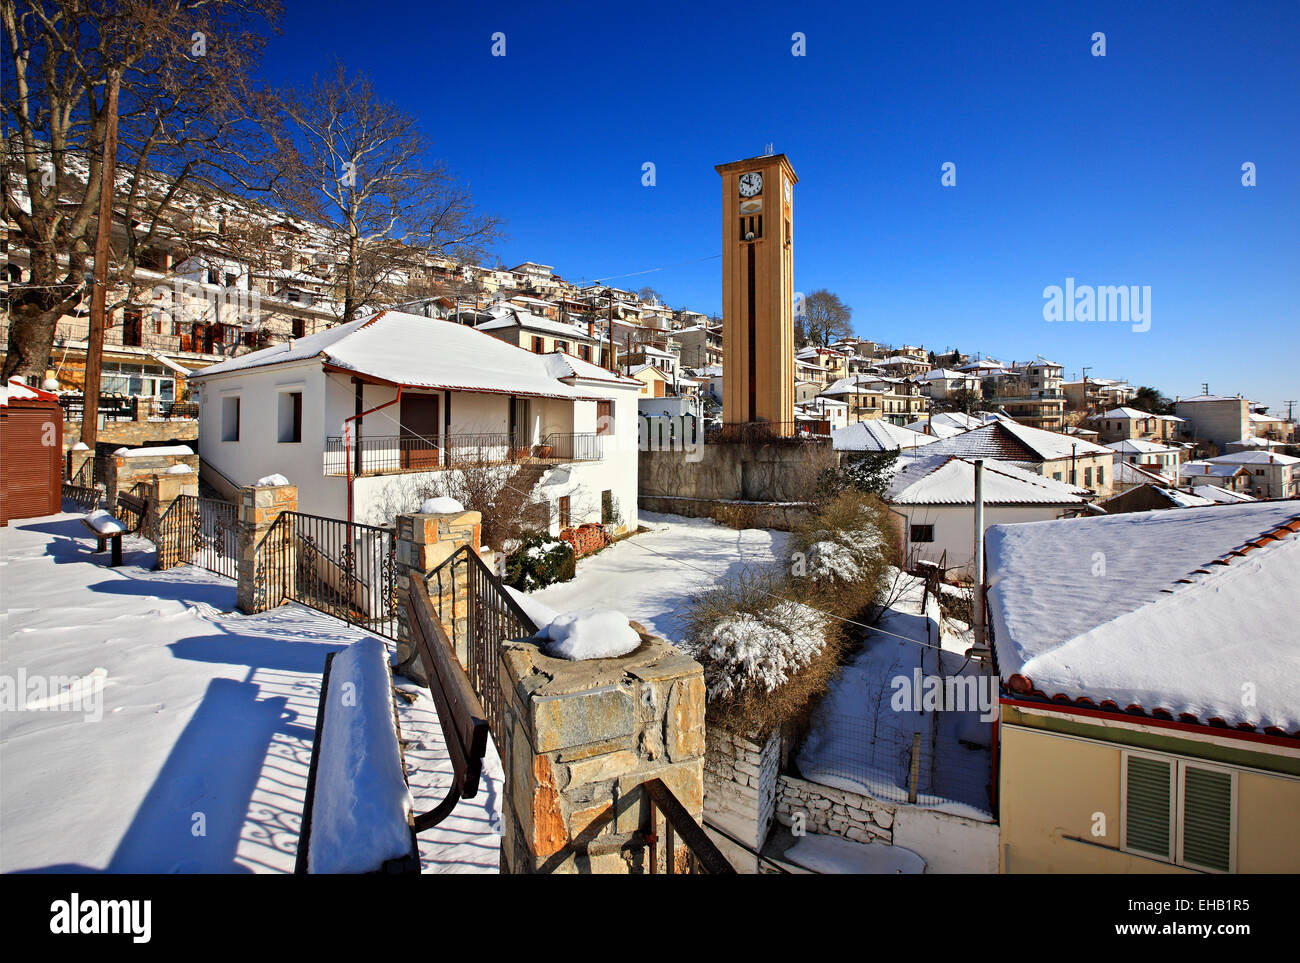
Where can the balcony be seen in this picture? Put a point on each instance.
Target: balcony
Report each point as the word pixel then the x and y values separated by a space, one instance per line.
pixel 395 454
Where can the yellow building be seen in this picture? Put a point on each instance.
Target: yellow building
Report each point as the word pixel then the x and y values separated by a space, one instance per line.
pixel 1149 715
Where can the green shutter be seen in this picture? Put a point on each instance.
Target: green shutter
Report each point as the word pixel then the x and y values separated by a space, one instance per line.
pixel 1207 818
pixel 1147 826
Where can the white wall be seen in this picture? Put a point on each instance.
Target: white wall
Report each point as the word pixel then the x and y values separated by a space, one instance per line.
pixel 954 528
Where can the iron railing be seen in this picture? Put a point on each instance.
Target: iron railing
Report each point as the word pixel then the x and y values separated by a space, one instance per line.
pixel 383 454
pixel 85 497
pixel 111 407
pixel 477 613
pixel 697 852
pixel 198 531
pixel 763 431
pixel 344 569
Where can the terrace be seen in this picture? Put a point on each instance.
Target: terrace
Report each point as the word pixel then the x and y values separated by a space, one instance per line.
pixel 395 454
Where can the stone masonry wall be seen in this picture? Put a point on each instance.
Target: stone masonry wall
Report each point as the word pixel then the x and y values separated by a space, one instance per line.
pixel 834 812
pixel 740 789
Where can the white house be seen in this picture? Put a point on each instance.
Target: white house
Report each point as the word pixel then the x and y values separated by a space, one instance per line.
pixel 365 415
pixel 932 498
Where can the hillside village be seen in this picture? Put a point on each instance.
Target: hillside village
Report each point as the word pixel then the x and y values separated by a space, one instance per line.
pixel 496 570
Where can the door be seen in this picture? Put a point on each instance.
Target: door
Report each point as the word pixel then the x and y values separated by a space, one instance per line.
pixel 420 428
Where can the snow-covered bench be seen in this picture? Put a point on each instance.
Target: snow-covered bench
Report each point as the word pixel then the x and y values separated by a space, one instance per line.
pixel 358 816
pixel 109 530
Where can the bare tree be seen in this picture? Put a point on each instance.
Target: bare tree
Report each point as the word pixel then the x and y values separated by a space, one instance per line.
pixel 357 166
pixel 825 318
pixel 186 127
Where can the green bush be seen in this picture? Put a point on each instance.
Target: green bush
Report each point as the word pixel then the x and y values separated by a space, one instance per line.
pixel 539 561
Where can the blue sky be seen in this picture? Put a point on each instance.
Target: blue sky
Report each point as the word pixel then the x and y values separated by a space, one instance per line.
pixel 1117 170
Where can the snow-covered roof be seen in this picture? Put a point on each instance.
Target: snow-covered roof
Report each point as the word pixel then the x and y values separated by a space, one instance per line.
pixel 1212 470
pixel 946 374
pixel 415 351
pixel 877 435
pixel 1139 446
pixel 1254 458
pixel 1222 495
pixel 854 385
pixel 16 390
pixel 1186 611
pixel 1130 474
pixel 1122 413
pixel 952 419
pixel 1017 443
pixel 532 322
pixel 925 479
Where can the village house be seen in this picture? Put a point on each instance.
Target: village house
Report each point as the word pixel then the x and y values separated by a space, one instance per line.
pixel 1215 418
pixel 940 384
pixel 1125 742
pixel 878 435
pixel 1056 456
pixel 1270 475
pixel 1093 394
pixel 1147 453
pixel 1152 497
pixel 363 416
pixel 542 335
pixel 932 501
pixel 864 401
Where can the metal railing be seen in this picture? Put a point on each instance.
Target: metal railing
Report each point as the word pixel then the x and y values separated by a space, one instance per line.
pixel 763 431
pixel 111 407
pixel 344 569
pixel 85 497
pixel 697 852
pixel 478 624
pixel 198 531
pixel 382 454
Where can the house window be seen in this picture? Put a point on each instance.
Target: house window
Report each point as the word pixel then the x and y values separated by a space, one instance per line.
pixel 562 507
pixel 584 352
pixel 214 276
pixel 290 417
pixel 604 417
pixel 131 329
pixel 1056 476
pixel 538 346
pixel 1101 475
pixel 923 533
pixel 299 327
pixel 562 346
pixel 230 418
pixel 1087 478
pixel 1179 812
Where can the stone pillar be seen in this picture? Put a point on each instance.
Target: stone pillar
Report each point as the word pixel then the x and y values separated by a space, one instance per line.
pixel 259 507
pixel 164 489
pixel 77 459
pixel 578 741
pixel 423 542
pixel 740 781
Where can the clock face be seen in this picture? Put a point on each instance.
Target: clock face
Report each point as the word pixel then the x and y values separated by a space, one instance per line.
pixel 788 192
pixel 751 184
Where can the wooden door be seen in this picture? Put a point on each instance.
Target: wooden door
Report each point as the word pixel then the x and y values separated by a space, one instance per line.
pixel 420 432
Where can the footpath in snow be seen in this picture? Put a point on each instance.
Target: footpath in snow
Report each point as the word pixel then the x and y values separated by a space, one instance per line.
pixel 158 730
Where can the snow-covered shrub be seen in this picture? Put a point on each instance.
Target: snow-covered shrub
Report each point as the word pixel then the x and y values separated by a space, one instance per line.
pixel 842 553
pixel 539 561
pixel 766 656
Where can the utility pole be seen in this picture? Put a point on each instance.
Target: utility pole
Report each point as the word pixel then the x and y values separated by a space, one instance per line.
pixel 103 250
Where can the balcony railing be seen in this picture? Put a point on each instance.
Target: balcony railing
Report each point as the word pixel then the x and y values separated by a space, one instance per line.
pixel 388 454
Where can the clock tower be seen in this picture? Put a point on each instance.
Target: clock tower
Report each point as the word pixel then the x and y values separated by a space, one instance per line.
pixel 758 292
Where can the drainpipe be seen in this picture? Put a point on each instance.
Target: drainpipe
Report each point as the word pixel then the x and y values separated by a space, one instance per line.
pixel 978 600
pixel 357 418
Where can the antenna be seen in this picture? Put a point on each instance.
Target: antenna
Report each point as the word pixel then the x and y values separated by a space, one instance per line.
pixel 768 149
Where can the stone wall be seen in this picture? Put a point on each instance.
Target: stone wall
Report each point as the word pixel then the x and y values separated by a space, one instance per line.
pixel 136 434
pixel 783 517
pixel 741 774
pixel 125 473
pixel 745 471
pixel 833 812
pixel 259 507
pixel 579 739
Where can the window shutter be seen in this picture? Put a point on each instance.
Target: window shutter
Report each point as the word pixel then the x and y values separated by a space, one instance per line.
pixel 1147 823
pixel 1207 818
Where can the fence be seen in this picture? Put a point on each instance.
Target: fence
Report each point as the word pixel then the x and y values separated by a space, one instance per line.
pixel 379 454
pixel 489 615
pixel 346 570
pixel 198 531
pixel 936 761
pixel 789 432
pixel 85 497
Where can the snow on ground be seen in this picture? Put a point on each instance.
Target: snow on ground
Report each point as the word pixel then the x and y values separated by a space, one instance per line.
pixel 860 742
pixel 185 728
pixel 652 577
pixel 832 854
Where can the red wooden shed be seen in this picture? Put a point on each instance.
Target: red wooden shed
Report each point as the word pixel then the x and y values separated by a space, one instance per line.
pixel 31 452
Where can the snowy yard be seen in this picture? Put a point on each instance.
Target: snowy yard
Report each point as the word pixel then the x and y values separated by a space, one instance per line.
pixel 158 730
pixel 652 577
